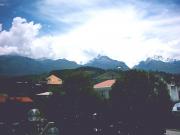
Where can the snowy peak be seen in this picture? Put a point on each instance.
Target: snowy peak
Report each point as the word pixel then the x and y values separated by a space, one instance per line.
pixel 160 58
pixel 158 63
pixel 105 62
pixel 102 59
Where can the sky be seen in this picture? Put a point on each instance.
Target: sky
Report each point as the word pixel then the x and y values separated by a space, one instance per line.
pixel 79 30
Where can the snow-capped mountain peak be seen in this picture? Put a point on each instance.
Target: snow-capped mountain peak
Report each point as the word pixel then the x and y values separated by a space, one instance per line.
pixel 161 58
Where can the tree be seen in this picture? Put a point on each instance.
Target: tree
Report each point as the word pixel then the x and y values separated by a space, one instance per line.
pixel 77 83
pixel 142 101
pixel 80 101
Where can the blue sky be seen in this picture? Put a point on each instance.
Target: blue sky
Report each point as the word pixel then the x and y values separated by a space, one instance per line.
pixel 79 30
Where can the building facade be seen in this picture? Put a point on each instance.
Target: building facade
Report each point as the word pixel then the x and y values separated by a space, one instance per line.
pixel 174 92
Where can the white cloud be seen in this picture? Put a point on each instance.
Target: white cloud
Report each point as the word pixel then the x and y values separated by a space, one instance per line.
pixel 8 50
pixel 2 4
pixel 122 33
pixel 23 38
pixel 119 33
pixel 20 36
pixel 0 27
pixel 70 12
pixel 77 3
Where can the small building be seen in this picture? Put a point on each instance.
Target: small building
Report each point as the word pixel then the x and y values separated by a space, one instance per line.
pixel 54 80
pixel 3 98
pixel 174 92
pixel 104 87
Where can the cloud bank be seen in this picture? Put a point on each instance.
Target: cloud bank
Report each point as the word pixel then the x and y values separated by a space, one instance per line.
pixel 23 39
pixel 127 32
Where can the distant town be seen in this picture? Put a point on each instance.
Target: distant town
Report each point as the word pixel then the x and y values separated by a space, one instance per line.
pixel 89 100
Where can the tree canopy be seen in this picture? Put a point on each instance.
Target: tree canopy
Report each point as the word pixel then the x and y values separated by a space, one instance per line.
pixel 142 99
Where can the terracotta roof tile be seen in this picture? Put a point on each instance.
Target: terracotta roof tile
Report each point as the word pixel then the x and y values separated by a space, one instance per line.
pixel 3 98
pixel 107 83
pixel 22 99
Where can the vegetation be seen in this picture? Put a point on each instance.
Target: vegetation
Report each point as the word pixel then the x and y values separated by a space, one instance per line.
pixel 139 102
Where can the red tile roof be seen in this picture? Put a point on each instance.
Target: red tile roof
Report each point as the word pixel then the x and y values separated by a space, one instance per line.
pixel 22 99
pixel 3 98
pixel 107 83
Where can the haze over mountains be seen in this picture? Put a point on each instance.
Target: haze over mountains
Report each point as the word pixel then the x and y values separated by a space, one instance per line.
pixel 14 65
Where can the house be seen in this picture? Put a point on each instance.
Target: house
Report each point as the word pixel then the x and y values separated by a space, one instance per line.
pixel 174 92
pixel 173 89
pixel 3 98
pixel 54 80
pixel 104 87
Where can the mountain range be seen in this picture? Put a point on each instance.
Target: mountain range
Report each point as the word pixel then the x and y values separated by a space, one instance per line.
pixel 105 62
pixel 151 64
pixel 14 65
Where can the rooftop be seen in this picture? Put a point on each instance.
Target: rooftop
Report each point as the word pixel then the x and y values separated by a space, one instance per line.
pixel 105 84
pixel 52 76
pixel 22 99
pixel 45 94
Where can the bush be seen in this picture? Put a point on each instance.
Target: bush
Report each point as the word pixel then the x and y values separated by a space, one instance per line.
pixel 142 101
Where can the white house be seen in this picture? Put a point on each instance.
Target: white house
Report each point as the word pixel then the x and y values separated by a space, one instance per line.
pixel 174 92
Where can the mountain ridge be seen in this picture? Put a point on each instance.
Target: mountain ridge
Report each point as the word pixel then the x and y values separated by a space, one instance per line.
pixel 15 65
pixel 150 64
pixel 106 63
